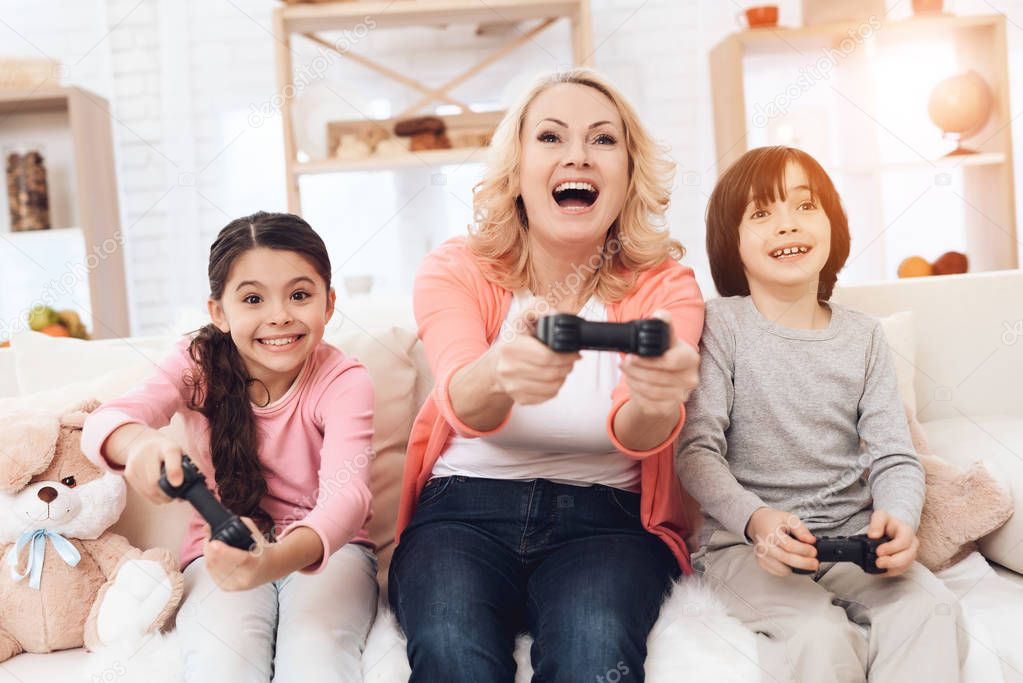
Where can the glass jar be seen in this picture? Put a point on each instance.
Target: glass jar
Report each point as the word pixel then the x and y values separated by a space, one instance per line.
pixel 27 195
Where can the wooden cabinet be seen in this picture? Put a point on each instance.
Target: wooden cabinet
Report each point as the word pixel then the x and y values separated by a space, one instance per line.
pixel 79 262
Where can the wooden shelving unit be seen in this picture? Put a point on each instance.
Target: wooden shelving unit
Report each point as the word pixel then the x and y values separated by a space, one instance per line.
pixel 984 181
pixel 83 183
pixel 429 158
pixel 307 21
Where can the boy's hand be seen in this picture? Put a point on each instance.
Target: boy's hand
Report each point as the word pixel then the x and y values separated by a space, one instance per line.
pixel 898 554
pixel 782 542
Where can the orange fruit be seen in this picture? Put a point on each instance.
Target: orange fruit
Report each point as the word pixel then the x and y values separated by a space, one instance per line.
pixel 915 266
pixel 56 331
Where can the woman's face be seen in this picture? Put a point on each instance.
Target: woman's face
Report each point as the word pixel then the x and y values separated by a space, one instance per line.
pixel 575 166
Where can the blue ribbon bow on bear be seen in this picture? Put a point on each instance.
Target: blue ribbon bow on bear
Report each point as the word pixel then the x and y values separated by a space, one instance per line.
pixel 37 554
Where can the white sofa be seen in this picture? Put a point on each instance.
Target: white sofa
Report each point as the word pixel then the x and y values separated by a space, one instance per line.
pixel 963 354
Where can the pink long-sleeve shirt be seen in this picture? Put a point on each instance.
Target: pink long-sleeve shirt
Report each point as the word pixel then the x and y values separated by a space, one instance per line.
pixel 315 444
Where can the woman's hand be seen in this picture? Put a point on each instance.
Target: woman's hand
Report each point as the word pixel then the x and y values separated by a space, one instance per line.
pixel 145 450
pixel 525 369
pixel 897 555
pixel 233 569
pixel 781 542
pixel 658 386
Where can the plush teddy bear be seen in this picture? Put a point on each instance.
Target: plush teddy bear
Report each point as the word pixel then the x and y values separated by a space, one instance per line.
pixel 65 580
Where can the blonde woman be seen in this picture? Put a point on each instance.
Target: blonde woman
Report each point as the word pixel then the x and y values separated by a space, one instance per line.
pixel 539 492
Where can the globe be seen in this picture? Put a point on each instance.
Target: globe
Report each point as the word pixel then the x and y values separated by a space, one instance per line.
pixel 960 106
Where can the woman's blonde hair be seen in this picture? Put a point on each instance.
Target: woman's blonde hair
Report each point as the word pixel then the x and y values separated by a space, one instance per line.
pixel 637 239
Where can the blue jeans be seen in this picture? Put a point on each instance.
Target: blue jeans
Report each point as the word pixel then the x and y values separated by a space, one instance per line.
pixel 484 560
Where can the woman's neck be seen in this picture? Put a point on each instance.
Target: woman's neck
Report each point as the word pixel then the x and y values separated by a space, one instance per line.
pixel 793 307
pixel 561 274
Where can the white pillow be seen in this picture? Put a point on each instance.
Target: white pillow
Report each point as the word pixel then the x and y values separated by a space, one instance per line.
pixel 371 312
pixel 44 363
pixel 998 441
pixel 898 328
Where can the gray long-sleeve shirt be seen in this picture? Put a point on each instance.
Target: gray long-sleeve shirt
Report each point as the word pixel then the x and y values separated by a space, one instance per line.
pixel 807 421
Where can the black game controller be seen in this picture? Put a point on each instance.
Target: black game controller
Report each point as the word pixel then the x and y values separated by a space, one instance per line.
pixel 570 333
pixel 224 525
pixel 860 549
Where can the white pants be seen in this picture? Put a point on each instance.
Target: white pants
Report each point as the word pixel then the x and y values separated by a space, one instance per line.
pixel 808 628
pixel 299 628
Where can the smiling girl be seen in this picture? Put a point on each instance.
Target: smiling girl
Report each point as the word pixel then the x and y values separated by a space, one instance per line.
pixel 279 420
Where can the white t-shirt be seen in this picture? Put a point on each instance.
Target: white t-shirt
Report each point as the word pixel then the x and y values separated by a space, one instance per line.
pixel 564 439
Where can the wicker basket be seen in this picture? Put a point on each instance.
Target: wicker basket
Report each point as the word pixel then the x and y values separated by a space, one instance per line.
pixel 27 73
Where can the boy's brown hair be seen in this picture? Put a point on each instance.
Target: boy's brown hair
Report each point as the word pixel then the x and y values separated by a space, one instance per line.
pixel 761 171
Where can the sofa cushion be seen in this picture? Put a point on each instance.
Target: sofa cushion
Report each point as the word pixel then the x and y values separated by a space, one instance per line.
pixel 44 363
pixel 998 441
pixel 8 378
pixel 388 355
pixel 898 330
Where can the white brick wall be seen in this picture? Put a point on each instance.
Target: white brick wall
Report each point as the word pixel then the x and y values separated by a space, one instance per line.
pixel 184 76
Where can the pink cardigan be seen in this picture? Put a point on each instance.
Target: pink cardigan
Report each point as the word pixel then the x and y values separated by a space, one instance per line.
pixel 315 444
pixel 459 313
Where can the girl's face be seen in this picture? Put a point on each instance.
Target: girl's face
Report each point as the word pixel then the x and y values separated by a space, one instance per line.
pixel 787 243
pixel 275 305
pixel 575 166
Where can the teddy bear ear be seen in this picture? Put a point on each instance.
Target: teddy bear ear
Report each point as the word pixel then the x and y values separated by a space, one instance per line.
pixel 75 418
pixel 27 447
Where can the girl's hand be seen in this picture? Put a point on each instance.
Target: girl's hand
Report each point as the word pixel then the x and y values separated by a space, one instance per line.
pixel 233 569
pixel 525 369
pixel 145 454
pixel 782 542
pixel 898 554
pixel 658 386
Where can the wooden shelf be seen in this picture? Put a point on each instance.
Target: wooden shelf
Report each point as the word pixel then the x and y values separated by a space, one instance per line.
pixel 308 21
pixel 29 101
pixel 397 13
pixel 29 236
pixel 786 39
pixel 860 124
pixel 942 164
pixel 427 159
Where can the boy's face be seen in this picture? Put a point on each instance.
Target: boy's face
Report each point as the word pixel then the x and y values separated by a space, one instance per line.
pixel 276 306
pixel 786 244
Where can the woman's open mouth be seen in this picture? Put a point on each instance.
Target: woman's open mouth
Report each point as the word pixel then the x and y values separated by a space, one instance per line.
pixel 575 196
pixel 280 343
